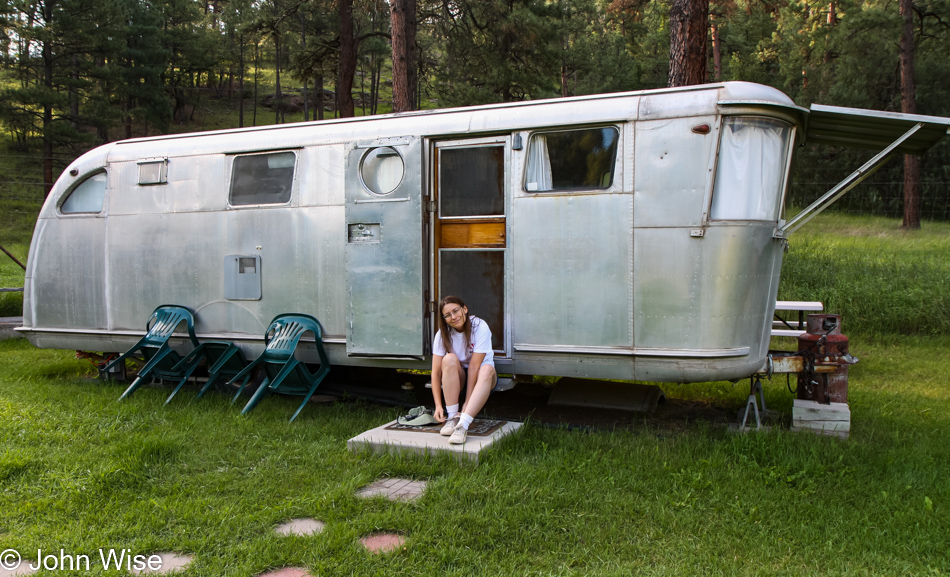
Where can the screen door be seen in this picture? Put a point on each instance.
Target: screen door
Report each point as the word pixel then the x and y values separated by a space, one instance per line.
pixel 470 182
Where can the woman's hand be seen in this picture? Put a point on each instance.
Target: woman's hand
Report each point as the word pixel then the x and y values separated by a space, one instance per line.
pixel 439 414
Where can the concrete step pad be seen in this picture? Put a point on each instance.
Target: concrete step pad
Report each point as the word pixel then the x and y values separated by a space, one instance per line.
pixel 428 441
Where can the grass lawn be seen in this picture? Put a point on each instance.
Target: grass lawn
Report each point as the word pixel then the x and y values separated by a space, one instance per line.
pixel 80 471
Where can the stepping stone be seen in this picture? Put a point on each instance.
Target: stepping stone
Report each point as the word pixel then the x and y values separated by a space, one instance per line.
pixel 171 562
pixel 382 542
pixel 300 527
pixel 394 489
pixel 390 438
pixel 286 572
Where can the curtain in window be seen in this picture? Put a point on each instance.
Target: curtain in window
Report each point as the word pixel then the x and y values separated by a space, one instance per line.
pixel 538 177
pixel 753 154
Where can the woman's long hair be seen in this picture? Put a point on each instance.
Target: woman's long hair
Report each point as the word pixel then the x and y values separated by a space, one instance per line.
pixel 444 327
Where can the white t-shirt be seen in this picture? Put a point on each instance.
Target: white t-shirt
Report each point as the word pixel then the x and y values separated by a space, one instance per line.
pixel 481 343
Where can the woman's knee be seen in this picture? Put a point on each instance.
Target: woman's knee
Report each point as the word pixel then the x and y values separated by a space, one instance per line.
pixel 451 361
pixel 487 373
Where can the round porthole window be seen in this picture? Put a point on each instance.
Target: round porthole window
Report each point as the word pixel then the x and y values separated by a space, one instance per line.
pixel 382 170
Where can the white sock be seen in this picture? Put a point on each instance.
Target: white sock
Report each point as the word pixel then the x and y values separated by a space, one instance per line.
pixel 465 420
pixel 452 410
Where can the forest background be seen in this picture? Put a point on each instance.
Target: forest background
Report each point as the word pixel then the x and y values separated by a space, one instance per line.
pixel 78 73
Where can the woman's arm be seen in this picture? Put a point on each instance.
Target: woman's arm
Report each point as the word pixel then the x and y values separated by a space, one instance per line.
pixel 437 388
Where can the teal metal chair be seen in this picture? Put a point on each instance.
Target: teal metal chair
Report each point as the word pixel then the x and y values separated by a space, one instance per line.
pixel 283 372
pixel 161 361
pixel 224 360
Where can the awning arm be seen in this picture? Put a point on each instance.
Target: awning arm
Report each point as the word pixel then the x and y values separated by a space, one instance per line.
pixel 845 185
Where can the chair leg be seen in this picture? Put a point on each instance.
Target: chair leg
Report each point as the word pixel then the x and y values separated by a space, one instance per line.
pixel 256 398
pixel 184 379
pixel 316 383
pixel 247 377
pixel 181 384
pixel 212 379
pixel 135 385
pixel 246 372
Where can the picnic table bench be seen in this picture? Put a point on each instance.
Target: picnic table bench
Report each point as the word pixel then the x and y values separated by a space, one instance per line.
pixel 784 327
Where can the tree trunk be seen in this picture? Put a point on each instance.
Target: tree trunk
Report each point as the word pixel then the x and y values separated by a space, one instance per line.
pixel 403 13
pixel 241 85
pixel 909 106
pixel 129 105
pixel 362 88
pixel 717 52
pixel 48 112
pixel 372 84
pixel 278 98
pixel 347 68
pixel 73 93
pixel 318 86
pixel 303 41
pixel 689 23
pixel 257 69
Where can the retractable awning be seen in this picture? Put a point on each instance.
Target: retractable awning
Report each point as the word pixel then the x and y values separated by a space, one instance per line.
pixel 889 132
pixel 873 129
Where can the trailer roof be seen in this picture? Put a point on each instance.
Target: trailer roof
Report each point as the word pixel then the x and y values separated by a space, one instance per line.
pixel 857 127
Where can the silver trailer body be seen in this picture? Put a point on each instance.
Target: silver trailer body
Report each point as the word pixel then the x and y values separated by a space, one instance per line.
pixel 661 264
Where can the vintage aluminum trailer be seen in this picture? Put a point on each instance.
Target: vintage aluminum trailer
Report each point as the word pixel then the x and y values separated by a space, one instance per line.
pixel 623 236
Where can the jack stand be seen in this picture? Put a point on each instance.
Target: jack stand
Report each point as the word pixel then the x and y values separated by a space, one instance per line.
pixel 751 402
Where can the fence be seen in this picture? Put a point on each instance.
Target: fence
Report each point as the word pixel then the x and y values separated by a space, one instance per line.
pixel 876 198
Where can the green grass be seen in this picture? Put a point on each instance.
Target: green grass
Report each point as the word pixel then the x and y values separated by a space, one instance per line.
pixel 881 279
pixel 80 471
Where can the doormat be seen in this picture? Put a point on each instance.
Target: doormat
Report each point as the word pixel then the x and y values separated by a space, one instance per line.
pixel 478 428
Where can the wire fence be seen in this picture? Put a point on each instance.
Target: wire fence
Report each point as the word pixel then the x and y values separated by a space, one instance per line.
pixel 876 199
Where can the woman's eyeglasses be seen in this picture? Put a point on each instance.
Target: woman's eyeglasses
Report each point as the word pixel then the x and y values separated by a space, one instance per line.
pixel 451 314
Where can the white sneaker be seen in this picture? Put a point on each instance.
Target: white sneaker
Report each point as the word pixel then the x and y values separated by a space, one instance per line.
pixel 449 427
pixel 458 436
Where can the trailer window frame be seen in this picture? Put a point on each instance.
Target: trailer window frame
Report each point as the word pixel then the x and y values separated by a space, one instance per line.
pixel 286 197
pixel 614 170
pixel 80 183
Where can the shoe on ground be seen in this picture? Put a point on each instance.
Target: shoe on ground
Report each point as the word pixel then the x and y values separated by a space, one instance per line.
pixel 449 427
pixel 458 436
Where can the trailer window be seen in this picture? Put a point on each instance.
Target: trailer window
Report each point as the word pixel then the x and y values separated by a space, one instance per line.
pixel 753 156
pixel 88 197
pixel 572 159
pixel 153 172
pixel 382 170
pixel 262 178
pixel 472 181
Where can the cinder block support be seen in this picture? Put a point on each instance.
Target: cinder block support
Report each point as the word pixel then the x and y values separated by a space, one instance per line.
pixel 831 419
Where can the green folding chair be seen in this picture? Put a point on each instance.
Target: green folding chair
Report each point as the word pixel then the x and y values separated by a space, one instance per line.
pixel 224 360
pixel 161 361
pixel 283 372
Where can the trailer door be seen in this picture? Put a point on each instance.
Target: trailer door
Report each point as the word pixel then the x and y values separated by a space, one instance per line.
pixel 469 185
pixel 384 249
